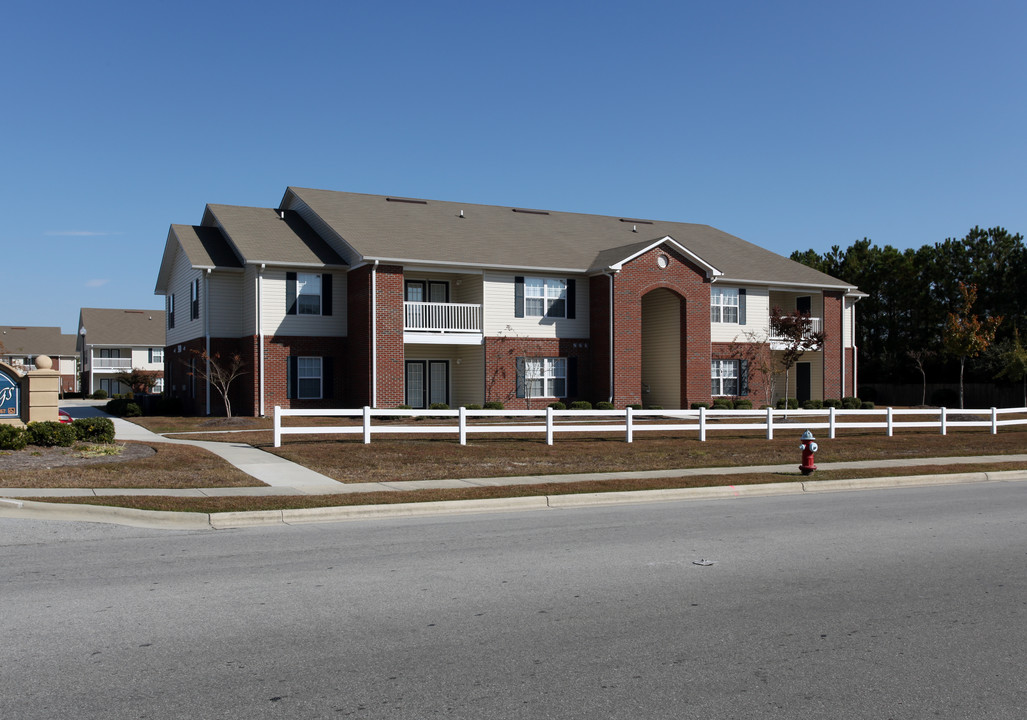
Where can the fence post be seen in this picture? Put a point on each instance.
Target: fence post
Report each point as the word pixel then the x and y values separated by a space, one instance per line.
pixel 994 421
pixel 278 427
pixel 889 421
pixel 463 425
pixel 549 425
pixel 942 422
pixel 367 425
pixel 770 423
pixel 628 421
pixel 702 424
pixel 830 422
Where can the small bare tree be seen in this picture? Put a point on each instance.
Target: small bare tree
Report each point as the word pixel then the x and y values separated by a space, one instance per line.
pixel 755 351
pixel 919 357
pixel 796 330
pixel 220 372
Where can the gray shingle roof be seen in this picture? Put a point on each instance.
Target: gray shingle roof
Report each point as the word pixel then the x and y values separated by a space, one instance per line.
pixel 205 247
pixel 113 326
pixel 32 341
pixel 261 235
pixel 400 229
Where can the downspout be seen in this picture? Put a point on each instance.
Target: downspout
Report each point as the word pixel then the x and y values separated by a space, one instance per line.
pixel 206 330
pixel 260 336
pixel 374 334
pixel 611 274
pixel 843 348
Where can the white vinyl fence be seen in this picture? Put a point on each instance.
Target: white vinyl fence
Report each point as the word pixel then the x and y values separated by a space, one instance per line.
pixel 630 421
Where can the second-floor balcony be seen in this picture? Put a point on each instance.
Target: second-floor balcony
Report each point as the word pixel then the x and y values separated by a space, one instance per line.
pixel 815 325
pixel 109 363
pixel 451 322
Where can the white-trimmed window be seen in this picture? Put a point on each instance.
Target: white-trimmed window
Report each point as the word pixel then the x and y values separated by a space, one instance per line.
pixel 157 355
pixel 194 299
pixel 724 305
pixel 545 297
pixel 543 377
pixel 308 378
pixel 308 293
pixel 725 377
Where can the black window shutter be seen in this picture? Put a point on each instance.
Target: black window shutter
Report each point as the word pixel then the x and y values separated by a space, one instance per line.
pixel 572 376
pixel 743 377
pixel 741 306
pixel 570 298
pixel 149 358
pixel 327 378
pixel 290 293
pixel 519 299
pixel 326 294
pixel 520 377
pixel 292 382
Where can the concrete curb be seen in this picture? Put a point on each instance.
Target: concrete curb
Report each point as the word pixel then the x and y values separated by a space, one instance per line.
pixel 260 518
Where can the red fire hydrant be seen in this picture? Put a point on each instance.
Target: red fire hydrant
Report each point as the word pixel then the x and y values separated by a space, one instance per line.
pixel 808 447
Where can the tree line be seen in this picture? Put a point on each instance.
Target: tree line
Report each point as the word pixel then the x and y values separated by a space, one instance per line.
pixel 902 326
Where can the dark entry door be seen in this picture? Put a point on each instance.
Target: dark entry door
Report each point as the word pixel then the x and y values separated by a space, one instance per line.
pixel 427 382
pixel 802 382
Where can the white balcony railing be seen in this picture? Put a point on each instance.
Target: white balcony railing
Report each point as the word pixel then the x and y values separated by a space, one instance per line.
pixel 816 325
pixel 102 363
pixel 441 317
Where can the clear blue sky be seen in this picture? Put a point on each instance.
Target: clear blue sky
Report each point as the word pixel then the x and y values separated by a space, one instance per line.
pixel 793 125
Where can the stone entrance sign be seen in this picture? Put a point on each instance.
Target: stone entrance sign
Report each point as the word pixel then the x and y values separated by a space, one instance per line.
pixel 32 397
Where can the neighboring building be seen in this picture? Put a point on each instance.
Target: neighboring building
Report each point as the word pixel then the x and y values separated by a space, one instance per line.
pixel 341 300
pixel 112 341
pixel 19 346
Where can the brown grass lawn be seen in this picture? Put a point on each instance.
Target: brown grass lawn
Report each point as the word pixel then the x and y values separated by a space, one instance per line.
pixel 170 466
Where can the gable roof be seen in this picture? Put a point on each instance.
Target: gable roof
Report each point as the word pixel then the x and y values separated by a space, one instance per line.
pixel 115 326
pixel 30 341
pixel 406 230
pixel 273 237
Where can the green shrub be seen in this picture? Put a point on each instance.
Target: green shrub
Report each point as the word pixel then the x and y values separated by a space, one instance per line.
pixel 99 395
pixel 167 406
pixel 790 404
pixel 866 405
pixel 833 403
pixel 94 429
pixel 850 403
pixel 13 437
pixel 655 407
pixel 123 407
pixel 403 407
pixel 634 406
pixel 581 405
pixel 438 406
pixel 51 434
pixel 813 405
pixel 722 405
pixel 743 404
pixel 557 405
pixel 472 406
pixel 605 405
pixel 697 405
pixel 493 405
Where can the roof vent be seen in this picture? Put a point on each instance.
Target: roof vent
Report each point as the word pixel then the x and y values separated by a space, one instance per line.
pixel 636 222
pixel 461 213
pixel 530 212
pixel 406 200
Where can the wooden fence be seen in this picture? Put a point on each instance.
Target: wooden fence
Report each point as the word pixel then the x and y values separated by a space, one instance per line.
pixel 630 421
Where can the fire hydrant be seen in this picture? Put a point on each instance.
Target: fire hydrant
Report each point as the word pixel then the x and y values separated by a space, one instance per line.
pixel 808 447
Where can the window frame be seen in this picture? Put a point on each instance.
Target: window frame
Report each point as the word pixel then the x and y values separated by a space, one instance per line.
pixel 544 373
pixel 719 308
pixel 304 280
pixel 546 293
pixel 717 377
pixel 300 377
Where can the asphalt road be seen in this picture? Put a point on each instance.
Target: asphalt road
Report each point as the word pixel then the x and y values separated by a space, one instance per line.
pixel 879 604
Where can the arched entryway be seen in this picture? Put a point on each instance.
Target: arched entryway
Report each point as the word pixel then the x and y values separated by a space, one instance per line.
pixel 661 349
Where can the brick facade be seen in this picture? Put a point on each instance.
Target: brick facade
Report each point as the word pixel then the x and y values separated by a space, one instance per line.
pixel 833 354
pixel 638 277
pixel 501 355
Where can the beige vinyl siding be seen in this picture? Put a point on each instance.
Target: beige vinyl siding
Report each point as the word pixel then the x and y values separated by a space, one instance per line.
pixel 463 288
pixel 757 319
pixel 498 310
pixel 816 375
pixel 275 321
pixel 786 301
pixel 661 349
pixel 141 358
pixel 226 305
pixel 848 322
pixel 466 378
pixel 249 301
pixel 182 274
